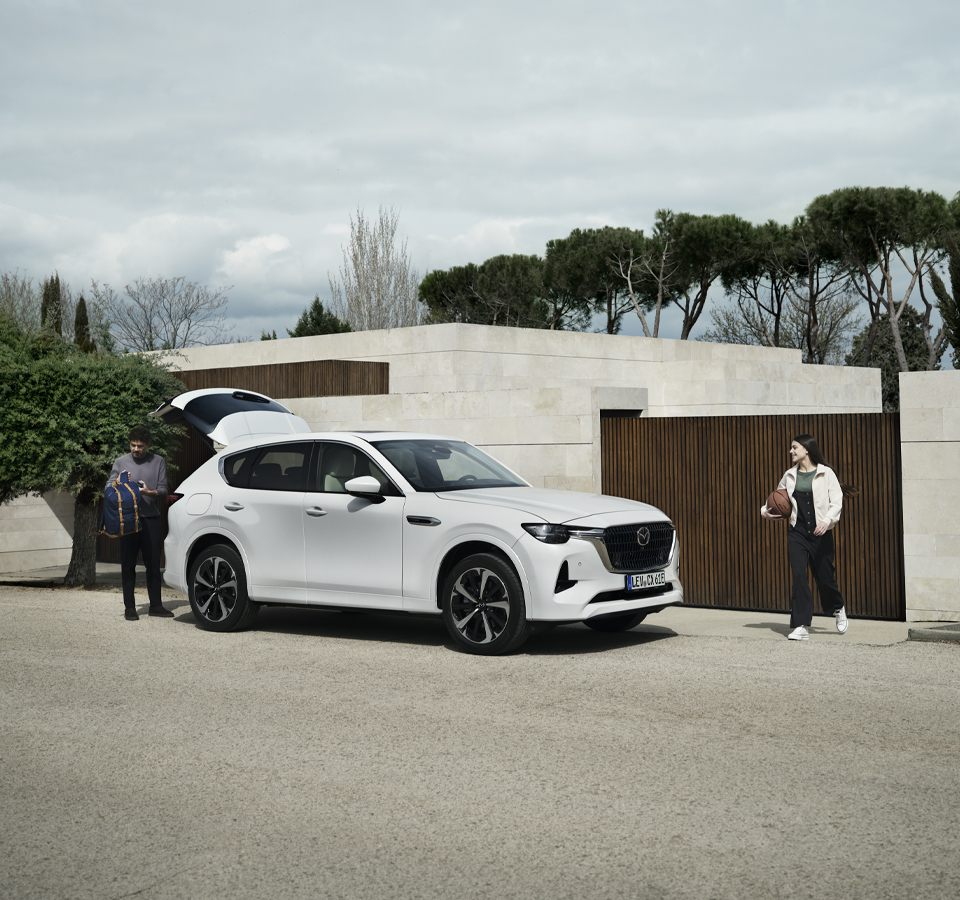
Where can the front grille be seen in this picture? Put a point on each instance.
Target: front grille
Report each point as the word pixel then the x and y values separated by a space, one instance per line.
pixel 626 554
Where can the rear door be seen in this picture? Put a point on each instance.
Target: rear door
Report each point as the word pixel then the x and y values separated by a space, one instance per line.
pixel 262 508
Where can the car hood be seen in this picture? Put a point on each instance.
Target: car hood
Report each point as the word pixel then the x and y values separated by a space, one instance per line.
pixel 560 507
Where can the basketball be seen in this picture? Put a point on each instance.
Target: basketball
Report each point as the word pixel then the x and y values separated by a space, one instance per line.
pixel 778 503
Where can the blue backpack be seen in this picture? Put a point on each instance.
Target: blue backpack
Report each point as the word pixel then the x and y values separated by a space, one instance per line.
pixel 121 508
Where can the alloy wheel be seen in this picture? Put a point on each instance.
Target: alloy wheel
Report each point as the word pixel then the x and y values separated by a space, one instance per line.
pixel 215 589
pixel 480 605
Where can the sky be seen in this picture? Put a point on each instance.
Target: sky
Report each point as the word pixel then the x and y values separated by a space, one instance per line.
pixel 230 142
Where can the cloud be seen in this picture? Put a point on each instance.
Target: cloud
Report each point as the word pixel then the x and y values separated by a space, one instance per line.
pixel 254 260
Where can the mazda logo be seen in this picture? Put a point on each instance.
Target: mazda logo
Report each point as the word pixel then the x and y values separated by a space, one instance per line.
pixel 643 536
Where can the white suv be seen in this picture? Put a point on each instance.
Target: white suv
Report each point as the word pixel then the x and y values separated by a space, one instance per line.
pixel 416 523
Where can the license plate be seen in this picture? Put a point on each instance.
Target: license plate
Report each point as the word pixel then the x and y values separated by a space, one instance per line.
pixel 647 580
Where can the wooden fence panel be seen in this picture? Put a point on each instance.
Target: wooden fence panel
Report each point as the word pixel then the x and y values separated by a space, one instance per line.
pixel 711 475
pixel 315 378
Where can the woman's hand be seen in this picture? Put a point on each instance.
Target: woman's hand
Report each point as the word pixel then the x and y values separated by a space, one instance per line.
pixel 820 530
pixel 766 514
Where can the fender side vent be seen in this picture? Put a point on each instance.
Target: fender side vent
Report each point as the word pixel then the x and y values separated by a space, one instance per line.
pixel 563 579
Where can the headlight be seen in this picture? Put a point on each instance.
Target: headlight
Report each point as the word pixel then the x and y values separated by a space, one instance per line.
pixel 549 534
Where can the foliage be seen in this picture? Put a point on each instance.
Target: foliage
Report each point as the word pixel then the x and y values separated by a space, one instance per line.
pixel 883 355
pixel 51 306
pixel 582 275
pixel 707 247
pixel 164 313
pixel 81 328
pixel 949 305
pixel 377 287
pixel 65 416
pixel 874 231
pixel 268 336
pixel 316 320
pixel 504 290
pixel 19 301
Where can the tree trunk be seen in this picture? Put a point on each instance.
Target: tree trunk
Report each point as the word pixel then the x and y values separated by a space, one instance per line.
pixel 83 558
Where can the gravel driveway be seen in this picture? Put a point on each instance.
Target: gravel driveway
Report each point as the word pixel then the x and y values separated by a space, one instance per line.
pixel 359 756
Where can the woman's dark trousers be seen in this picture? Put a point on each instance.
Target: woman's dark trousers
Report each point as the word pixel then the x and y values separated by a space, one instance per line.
pixel 147 542
pixel 817 553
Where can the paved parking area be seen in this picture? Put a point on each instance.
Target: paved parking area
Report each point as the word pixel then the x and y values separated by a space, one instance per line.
pixel 351 756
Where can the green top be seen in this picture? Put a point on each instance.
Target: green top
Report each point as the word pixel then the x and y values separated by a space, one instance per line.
pixel 805 481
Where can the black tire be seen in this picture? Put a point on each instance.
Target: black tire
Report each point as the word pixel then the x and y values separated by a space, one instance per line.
pixel 623 622
pixel 483 606
pixel 218 591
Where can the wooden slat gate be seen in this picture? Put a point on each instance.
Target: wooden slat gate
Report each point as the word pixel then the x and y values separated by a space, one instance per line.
pixel 711 475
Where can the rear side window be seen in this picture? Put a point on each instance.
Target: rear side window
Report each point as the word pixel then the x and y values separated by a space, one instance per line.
pixel 236 469
pixel 282 467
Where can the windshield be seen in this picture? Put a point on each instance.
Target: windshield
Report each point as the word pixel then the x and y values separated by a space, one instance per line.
pixel 446 465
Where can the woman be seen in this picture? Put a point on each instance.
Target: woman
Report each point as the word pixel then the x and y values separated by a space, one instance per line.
pixel 816 496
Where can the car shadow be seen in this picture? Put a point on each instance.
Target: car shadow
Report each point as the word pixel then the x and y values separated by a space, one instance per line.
pixel 576 639
pixel 428 631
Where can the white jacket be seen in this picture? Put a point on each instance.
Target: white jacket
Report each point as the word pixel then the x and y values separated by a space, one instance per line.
pixel 827 495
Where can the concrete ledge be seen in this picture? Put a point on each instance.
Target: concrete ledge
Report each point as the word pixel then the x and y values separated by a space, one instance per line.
pixel 938 633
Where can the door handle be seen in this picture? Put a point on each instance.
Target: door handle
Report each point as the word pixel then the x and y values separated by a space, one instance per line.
pixel 233 506
pixel 316 512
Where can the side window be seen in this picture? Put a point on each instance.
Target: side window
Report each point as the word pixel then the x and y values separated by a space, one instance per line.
pixel 341 462
pixel 236 469
pixel 281 467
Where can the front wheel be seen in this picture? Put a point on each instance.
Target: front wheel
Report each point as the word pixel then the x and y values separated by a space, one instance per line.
pixel 218 591
pixel 483 606
pixel 623 622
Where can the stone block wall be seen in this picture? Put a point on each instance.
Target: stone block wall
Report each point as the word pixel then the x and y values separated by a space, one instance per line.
pixel 36 532
pixel 930 450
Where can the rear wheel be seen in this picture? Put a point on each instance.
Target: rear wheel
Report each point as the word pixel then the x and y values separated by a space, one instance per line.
pixel 483 606
pixel 623 622
pixel 218 591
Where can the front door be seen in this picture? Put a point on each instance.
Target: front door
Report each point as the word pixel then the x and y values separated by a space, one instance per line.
pixel 353 546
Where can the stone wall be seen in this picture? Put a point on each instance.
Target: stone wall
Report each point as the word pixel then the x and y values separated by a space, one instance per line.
pixel 36 532
pixel 930 449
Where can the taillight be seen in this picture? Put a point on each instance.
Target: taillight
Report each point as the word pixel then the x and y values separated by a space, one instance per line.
pixel 173 498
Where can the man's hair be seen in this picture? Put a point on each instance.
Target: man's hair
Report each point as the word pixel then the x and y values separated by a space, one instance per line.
pixel 140 433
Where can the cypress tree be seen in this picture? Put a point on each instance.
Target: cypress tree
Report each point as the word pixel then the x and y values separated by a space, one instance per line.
pixel 51 310
pixel 81 328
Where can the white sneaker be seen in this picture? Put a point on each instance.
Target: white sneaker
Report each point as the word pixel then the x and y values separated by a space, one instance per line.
pixel 799 634
pixel 842 623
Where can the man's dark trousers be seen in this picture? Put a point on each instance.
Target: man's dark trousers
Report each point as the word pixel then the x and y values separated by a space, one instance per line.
pixel 147 542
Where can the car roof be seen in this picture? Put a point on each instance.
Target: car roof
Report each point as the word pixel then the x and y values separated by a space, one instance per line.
pixel 367 437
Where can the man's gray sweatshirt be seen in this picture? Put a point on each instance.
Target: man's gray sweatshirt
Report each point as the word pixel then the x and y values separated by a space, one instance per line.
pixel 151 470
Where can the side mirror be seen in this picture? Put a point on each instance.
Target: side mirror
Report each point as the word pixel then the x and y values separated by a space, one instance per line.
pixel 365 486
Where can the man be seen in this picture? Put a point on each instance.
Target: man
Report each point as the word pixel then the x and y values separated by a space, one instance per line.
pixel 150 471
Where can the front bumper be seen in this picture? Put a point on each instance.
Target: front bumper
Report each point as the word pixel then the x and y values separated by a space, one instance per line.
pixel 590 588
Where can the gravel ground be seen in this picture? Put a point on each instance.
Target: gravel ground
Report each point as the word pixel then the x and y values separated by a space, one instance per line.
pixel 329 755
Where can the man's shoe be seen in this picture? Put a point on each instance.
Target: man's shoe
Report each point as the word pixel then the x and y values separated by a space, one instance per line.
pixel 842 622
pixel 130 615
pixel 799 634
pixel 160 611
